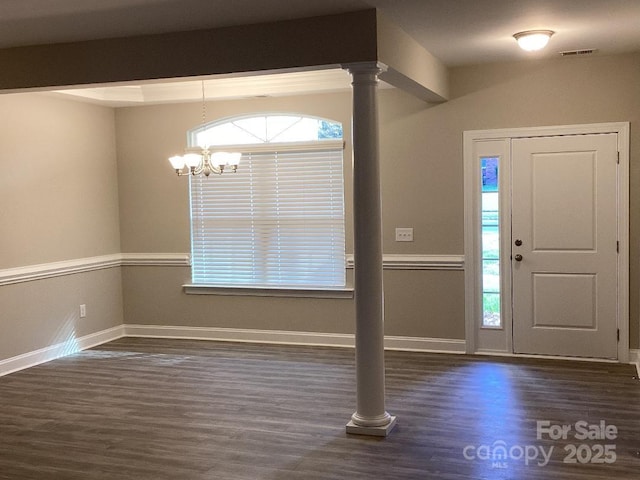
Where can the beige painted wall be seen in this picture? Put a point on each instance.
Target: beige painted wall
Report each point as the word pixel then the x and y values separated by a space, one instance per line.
pixel 408 65
pixel 44 313
pixel 154 203
pixel 416 305
pixel 555 92
pixel 155 218
pixel 421 148
pixel 59 201
pixel 421 151
pixel 422 144
pixel 58 187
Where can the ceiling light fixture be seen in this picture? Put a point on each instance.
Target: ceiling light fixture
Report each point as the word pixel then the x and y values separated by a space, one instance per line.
pixel 201 160
pixel 532 40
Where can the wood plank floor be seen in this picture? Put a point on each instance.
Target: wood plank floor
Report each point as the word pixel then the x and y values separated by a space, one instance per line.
pixel 181 410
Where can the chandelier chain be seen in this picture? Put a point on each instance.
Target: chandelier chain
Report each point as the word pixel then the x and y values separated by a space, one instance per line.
pixel 207 161
pixel 204 105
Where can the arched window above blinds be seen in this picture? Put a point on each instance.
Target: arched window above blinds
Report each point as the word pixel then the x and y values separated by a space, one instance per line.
pixel 279 221
pixel 259 129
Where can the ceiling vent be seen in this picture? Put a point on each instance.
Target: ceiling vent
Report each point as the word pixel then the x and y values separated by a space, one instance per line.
pixel 575 53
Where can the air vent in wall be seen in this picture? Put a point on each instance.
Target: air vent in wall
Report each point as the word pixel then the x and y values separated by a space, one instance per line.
pixel 573 53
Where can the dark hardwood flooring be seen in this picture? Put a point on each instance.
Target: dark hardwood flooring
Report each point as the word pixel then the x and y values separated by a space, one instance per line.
pixel 193 410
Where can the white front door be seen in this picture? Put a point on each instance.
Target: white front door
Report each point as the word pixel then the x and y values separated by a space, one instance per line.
pixel 564 245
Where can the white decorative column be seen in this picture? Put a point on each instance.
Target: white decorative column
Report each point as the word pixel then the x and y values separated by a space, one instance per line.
pixel 370 417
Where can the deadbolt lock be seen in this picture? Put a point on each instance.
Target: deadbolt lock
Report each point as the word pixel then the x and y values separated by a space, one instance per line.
pixel 518 242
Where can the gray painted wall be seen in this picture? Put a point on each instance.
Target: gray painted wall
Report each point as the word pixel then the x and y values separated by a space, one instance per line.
pixel 130 201
pixel 421 152
pixel 59 201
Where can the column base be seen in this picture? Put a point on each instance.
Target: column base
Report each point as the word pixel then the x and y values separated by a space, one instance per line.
pixel 381 431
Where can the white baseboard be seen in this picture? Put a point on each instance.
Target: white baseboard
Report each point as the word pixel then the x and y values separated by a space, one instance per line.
pixel 238 335
pixel 634 357
pixel 422 344
pixel 416 344
pixel 52 352
pixel 290 338
pixel 46 354
pixel 98 338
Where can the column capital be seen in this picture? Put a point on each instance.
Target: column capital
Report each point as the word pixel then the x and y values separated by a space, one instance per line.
pixel 375 68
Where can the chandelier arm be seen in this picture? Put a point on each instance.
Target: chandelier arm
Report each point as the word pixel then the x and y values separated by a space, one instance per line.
pixel 198 170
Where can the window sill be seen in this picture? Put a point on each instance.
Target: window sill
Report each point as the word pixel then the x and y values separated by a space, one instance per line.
pixel 192 289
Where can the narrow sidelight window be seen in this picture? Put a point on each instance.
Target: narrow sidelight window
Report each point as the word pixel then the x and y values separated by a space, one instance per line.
pixel 490 243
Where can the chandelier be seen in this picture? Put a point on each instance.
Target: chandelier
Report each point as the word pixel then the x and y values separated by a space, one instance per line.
pixel 202 160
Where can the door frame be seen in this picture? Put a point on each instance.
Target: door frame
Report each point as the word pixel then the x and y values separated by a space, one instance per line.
pixel 499 341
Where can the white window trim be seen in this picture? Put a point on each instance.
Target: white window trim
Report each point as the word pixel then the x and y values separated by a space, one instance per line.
pixel 200 289
pixel 272 291
pixel 318 145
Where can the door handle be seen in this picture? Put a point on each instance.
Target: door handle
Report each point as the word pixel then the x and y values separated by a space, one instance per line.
pixel 518 258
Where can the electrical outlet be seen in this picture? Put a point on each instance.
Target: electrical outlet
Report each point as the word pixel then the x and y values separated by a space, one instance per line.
pixel 404 234
pixel 83 311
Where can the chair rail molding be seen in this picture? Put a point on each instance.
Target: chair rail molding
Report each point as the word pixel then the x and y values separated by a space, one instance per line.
pixel 43 271
pixel 418 262
pixel 156 259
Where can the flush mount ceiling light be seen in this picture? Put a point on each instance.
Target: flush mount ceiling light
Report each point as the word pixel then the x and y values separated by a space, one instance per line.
pixel 532 40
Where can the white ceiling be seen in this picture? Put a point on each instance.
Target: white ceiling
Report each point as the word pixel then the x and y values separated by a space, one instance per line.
pixel 463 32
pixel 458 32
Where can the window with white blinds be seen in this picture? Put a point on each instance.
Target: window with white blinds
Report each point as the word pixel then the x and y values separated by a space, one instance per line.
pixel 277 222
